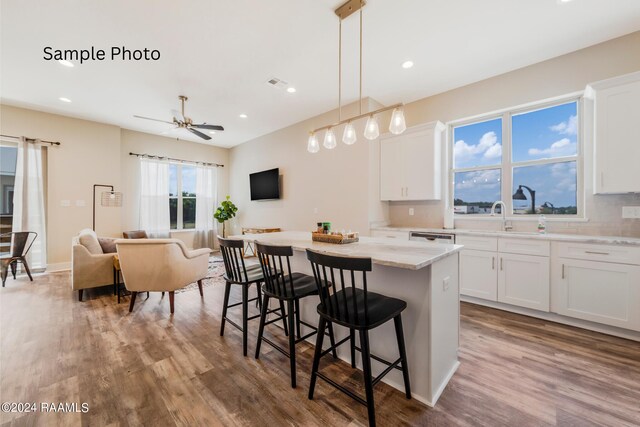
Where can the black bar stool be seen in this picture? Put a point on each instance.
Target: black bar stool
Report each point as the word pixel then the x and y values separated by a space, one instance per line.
pixel 237 273
pixel 282 284
pixel 343 303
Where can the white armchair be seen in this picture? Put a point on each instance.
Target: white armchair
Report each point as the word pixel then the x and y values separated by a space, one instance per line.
pixel 160 265
pixel 90 266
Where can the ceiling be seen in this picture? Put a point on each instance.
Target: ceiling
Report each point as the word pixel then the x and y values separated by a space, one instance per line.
pixel 221 53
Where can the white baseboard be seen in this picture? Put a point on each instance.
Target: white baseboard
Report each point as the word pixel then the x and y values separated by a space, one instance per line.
pixel 61 266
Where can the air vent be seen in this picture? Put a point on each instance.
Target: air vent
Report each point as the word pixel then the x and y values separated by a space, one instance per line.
pixel 277 83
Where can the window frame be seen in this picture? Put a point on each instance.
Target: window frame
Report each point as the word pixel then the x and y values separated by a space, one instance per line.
pixel 180 198
pixel 507 164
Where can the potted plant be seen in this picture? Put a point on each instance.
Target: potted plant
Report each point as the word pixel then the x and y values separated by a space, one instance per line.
pixel 225 212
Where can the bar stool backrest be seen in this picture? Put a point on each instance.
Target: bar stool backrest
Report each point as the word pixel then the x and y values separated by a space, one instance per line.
pixel 277 274
pixel 336 273
pixel 233 259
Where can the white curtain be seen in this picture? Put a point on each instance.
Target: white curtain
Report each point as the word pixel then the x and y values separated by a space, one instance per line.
pixel 28 200
pixel 154 197
pixel 206 202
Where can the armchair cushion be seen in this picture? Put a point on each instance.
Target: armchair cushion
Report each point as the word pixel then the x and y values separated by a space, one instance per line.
pixel 107 244
pixel 89 240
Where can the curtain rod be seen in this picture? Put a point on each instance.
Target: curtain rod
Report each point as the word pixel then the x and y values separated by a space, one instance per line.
pixel 151 156
pixel 31 139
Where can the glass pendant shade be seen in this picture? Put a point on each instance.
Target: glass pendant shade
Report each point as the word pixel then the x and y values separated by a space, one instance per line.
pixel 329 139
pixel 371 130
pixel 349 136
pixel 313 146
pixel 397 125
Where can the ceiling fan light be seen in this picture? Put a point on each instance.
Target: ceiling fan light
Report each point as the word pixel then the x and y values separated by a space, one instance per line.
pixel 329 139
pixel 313 146
pixel 371 129
pixel 349 136
pixel 397 124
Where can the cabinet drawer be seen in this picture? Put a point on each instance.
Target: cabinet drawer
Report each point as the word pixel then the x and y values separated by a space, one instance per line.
pixel 478 243
pixel 606 253
pixel 524 246
pixel 391 234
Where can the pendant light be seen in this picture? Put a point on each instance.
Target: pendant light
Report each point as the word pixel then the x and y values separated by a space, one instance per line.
pixel 312 145
pixel 371 130
pixel 329 139
pixel 349 136
pixel 397 125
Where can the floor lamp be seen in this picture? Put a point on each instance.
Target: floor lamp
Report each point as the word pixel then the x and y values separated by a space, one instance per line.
pixel 108 199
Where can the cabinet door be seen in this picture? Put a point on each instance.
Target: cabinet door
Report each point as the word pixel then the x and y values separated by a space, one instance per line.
pixel 421 159
pixel 524 281
pixel 391 171
pixel 617 139
pixel 478 274
pixel 597 291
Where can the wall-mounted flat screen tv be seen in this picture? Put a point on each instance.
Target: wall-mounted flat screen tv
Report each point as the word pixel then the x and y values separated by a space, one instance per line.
pixel 265 185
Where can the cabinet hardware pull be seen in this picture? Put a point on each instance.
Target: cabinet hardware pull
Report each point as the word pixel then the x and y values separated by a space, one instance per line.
pixel 493 263
pixel 563 271
pixel 596 253
pixel 501 259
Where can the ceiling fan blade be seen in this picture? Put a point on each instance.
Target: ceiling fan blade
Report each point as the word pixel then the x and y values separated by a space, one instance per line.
pixel 206 126
pixel 200 134
pixel 149 118
pixel 178 115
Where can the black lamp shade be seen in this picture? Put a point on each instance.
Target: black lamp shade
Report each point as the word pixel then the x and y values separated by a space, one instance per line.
pixel 519 194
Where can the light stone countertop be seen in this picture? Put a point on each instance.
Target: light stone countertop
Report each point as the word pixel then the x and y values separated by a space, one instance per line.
pixel 401 254
pixel 580 238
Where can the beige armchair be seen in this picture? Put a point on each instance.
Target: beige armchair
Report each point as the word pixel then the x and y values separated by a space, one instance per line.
pixel 91 267
pixel 160 265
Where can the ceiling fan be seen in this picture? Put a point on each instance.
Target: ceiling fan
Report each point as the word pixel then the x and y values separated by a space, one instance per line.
pixel 183 122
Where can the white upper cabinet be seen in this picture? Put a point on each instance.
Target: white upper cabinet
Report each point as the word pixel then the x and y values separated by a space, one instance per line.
pixel 410 163
pixel 616 134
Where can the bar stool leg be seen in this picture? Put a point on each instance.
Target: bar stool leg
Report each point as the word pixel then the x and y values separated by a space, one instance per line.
pixel 284 319
pixel 368 381
pixel 292 342
pixel 403 354
pixel 352 334
pixel 332 340
pixel 227 289
pixel 245 316
pixel 298 331
pixel 263 317
pixel 322 324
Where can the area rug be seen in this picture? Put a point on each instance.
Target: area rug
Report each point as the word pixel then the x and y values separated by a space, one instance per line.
pixel 214 275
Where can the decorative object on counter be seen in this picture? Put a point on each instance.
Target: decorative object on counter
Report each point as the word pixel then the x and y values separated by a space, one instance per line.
pixel 320 229
pixel 326 227
pixel 336 238
pixel 542 224
pixel 372 131
pixel 225 212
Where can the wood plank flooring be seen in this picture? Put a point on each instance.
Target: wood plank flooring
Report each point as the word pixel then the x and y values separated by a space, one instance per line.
pixel 151 368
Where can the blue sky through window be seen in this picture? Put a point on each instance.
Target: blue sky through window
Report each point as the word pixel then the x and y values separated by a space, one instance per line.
pixel 478 144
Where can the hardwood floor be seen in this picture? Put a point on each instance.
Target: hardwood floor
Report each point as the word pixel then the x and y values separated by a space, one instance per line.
pixel 151 368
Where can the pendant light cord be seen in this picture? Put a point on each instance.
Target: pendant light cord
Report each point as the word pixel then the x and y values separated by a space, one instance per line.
pixel 360 104
pixel 340 72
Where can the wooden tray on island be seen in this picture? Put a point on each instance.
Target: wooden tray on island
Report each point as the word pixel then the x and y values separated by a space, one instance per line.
pixel 337 239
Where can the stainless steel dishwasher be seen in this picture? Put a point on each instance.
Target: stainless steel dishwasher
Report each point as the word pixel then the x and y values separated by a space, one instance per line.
pixel 429 236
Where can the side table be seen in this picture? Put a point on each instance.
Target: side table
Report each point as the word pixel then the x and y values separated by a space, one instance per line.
pixel 249 250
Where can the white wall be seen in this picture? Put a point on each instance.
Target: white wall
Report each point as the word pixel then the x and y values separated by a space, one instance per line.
pixel 95 153
pixel 337 183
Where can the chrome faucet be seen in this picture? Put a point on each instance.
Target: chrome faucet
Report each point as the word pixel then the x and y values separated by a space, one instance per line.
pixel 506 225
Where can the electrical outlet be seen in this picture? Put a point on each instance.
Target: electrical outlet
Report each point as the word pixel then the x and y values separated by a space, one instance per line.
pixel 80 203
pixel 411 211
pixel 65 203
pixel 631 212
pixel 445 283
pixel 315 210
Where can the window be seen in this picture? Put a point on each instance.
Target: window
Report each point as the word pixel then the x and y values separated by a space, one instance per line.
pixel 530 159
pixel 8 157
pixel 182 196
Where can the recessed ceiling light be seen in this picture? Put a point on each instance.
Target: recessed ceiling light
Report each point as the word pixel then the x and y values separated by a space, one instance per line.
pixel 291 89
pixel 407 64
pixel 66 63
pixel 563 1
pixel 243 116
pixel 63 99
pixel 212 132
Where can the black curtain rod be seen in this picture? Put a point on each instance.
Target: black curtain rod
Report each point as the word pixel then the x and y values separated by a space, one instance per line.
pixel 32 139
pixel 151 156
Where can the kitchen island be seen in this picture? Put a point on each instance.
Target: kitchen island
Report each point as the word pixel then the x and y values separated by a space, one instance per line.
pixel 425 275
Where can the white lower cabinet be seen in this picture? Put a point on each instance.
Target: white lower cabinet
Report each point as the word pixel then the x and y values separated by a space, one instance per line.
pixel 601 292
pixel 523 280
pixel 478 274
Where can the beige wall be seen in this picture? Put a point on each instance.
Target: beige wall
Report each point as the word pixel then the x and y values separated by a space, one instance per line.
pixel 548 79
pixel 94 153
pixel 333 185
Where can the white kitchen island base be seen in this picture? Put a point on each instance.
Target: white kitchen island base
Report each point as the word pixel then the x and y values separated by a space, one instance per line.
pixel 430 321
